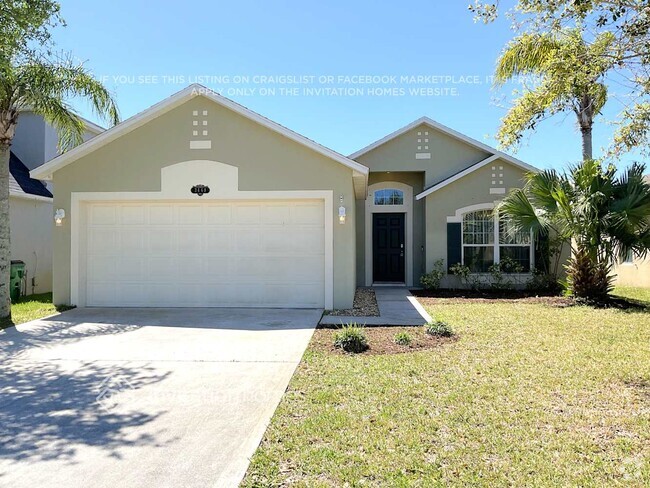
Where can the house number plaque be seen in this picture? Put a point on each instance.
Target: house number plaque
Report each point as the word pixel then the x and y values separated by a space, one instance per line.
pixel 200 190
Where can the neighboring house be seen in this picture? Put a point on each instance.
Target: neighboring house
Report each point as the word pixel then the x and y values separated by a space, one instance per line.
pixel 30 201
pixel 30 216
pixel 199 201
pixel 633 270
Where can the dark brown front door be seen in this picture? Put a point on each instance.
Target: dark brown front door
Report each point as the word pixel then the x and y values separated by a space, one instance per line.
pixel 388 247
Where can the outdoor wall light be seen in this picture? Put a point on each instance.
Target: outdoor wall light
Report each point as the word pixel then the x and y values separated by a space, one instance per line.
pixel 341 211
pixel 59 215
pixel 341 214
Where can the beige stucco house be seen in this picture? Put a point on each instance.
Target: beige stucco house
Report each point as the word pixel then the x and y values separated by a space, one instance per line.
pixel 199 201
pixel 633 270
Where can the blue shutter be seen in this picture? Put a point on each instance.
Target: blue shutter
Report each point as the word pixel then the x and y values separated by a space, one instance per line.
pixel 454 243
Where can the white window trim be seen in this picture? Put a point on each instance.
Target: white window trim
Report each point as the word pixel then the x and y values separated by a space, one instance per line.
pixel 407 209
pixel 458 218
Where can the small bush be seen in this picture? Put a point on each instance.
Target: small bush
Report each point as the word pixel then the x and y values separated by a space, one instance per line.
pixel 351 338
pixel 403 339
pixel 543 282
pixel 439 328
pixel 467 279
pixel 431 281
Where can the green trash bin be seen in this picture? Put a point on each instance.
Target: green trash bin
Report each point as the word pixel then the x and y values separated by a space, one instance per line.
pixel 16 280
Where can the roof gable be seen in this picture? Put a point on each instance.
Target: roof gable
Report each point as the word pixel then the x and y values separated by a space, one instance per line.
pixel 360 172
pixel 445 130
pixel 461 174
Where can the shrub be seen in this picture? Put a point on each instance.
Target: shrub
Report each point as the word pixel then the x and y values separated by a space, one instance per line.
pixel 403 339
pixel 467 278
pixel 439 328
pixel 499 281
pixel 459 270
pixel 589 279
pixel 351 338
pixel 543 282
pixel 431 281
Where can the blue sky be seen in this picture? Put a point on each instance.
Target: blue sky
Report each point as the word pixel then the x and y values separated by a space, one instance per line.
pixel 145 51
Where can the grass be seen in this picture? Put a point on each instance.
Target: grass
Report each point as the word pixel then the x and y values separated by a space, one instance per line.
pixel 31 308
pixel 530 394
pixel 633 293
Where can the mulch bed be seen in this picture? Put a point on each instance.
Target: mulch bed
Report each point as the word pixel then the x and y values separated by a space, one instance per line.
pixel 382 340
pixel 364 305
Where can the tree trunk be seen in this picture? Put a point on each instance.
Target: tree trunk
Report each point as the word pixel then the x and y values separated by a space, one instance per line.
pixel 585 114
pixel 587 151
pixel 8 120
pixel 5 237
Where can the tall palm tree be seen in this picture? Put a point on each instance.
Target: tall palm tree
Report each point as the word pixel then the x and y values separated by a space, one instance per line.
pixel 45 86
pixel 568 72
pixel 601 214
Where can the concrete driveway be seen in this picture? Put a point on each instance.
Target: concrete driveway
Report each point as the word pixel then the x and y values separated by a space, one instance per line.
pixel 143 397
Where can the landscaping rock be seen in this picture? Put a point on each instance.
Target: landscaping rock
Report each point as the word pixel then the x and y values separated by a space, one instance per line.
pixel 365 305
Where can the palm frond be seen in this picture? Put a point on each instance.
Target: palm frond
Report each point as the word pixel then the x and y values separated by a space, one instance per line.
pixel 61 116
pixel 46 85
pixel 521 214
pixel 526 54
pixel 526 112
pixel 540 188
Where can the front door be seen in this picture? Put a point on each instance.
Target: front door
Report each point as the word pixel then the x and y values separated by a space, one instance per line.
pixel 388 247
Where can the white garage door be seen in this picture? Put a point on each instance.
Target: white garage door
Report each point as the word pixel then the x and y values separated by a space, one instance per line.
pixel 217 254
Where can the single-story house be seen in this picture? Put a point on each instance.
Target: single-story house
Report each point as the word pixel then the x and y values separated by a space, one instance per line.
pixel 31 216
pixel 198 201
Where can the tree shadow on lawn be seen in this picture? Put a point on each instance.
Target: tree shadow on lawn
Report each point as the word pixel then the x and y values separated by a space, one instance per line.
pixel 48 412
pixel 624 304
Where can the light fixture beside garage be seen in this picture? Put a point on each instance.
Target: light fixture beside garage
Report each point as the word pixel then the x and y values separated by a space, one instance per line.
pixel 59 215
pixel 341 211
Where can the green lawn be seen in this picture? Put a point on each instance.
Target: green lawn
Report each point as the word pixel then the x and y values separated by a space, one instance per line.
pixel 638 294
pixel 31 308
pixel 530 394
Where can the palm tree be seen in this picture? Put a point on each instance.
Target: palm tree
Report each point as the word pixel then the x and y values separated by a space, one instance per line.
pixel 601 214
pixel 44 86
pixel 569 76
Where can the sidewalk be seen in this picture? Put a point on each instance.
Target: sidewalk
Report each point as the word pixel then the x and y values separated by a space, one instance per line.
pixel 396 307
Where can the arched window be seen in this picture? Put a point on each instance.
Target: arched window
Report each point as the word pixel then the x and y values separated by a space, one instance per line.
pixel 389 196
pixel 485 244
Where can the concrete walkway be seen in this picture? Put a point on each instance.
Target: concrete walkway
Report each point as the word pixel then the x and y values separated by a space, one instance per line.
pixel 143 397
pixel 397 306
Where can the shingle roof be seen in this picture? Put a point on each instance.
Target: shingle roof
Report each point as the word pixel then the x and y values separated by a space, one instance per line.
pixel 21 183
